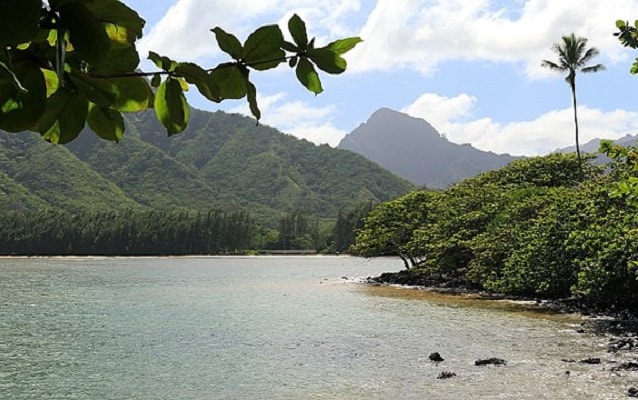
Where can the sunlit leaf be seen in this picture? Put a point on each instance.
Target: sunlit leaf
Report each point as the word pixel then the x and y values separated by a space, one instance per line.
pixel 119 35
pixel 118 13
pixel 64 117
pixel 230 80
pixel 131 94
pixel 327 60
pixel 18 21
pixel 19 110
pixel 106 123
pixel 297 28
pixel 86 32
pixel 262 49
pixel 52 81
pixel 228 43
pixel 344 45
pixel 171 107
pixel 308 76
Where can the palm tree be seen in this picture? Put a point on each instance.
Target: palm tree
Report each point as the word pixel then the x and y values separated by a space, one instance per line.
pixel 573 56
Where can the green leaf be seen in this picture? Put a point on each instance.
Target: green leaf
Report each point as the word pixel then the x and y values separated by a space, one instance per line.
pixel 620 24
pixel 290 47
pixel 95 90
pixel 86 33
pixel 117 13
pixel 262 49
pixel 196 75
pixel 18 21
pixel 162 62
pixel 121 60
pixel 171 107
pixel 228 43
pixel 131 94
pixel 106 123
pixel 156 80
pixel 297 28
pixel 64 118
pixel 252 99
pixel 308 76
pixel 327 60
pixel 20 110
pixel 230 80
pixel 344 45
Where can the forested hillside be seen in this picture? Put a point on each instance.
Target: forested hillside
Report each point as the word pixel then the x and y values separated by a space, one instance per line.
pixel 221 162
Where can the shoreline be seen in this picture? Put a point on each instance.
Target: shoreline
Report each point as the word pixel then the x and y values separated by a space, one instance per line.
pixel 617 322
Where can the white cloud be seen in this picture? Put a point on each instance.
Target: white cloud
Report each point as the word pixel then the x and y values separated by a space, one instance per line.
pixel 420 34
pixel 297 118
pixel 546 133
pixel 184 32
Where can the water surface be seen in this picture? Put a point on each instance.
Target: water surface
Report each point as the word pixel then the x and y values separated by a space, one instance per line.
pixel 273 328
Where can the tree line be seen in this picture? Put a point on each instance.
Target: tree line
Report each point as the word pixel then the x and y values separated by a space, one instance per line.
pixel 531 229
pixel 132 232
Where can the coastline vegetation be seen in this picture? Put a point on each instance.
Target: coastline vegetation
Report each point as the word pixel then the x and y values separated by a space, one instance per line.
pixel 532 229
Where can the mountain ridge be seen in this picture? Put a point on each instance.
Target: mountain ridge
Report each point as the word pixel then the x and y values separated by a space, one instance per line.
pixel 413 149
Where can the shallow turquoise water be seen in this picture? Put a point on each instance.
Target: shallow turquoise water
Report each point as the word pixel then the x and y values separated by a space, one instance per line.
pixel 271 328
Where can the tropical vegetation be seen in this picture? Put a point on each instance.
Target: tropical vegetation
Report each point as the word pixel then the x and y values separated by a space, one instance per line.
pixel 65 64
pixel 531 229
pixel 574 56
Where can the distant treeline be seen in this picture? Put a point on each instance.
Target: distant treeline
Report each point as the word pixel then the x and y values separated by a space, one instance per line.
pixel 134 232
pixel 124 233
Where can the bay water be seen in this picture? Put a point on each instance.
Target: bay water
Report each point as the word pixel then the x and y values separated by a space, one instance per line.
pixel 276 327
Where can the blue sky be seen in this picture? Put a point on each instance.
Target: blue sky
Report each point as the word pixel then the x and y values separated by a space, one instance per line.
pixel 469 67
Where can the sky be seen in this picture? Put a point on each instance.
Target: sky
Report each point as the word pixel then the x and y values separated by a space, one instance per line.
pixel 471 68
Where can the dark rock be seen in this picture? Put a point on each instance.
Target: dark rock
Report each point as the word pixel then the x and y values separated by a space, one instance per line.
pixel 622 344
pixel 626 366
pixel 569 360
pixel 446 375
pixel 435 357
pixel 592 360
pixel 632 392
pixel 490 361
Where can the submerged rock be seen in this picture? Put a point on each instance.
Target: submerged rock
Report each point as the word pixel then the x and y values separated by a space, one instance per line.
pixel 592 360
pixel 435 357
pixel 446 375
pixel 490 361
pixel 632 392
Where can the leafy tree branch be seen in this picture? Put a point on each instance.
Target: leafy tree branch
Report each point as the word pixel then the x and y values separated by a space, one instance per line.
pixel 65 64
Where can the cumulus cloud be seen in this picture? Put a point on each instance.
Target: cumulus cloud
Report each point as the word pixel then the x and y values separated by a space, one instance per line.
pixel 297 118
pixel 184 32
pixel 421 34
pixel 544 134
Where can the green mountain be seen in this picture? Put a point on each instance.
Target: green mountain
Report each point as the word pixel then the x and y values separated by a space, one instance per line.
pixel 221 161
pixel 43 175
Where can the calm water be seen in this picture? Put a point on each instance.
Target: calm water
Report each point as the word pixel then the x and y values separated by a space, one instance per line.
pixel 272 328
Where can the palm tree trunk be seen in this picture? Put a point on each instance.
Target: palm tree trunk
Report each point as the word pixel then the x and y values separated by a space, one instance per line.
pixel 580 162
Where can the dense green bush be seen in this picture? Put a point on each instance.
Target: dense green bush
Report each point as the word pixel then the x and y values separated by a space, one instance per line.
pixel 530 229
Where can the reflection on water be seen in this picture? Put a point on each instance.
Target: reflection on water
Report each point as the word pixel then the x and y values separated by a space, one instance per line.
pixel 274 328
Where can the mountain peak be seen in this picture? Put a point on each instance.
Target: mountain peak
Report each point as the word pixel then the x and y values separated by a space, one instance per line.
pixel 412 148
